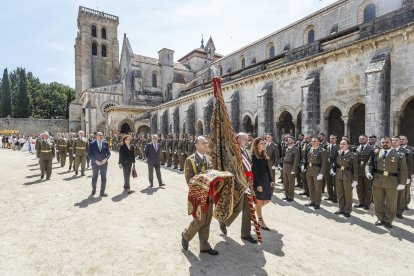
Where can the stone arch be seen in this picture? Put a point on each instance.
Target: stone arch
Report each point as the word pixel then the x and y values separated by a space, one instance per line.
pixel 361 10
pixel 103 33
pixel 270 50
pixel 334 103
pixel 352 103
pixel 247 122
pixel 155 79
pixel 199 127
pixel 106 105
pixel 143 129
pixel 242 62
pixel 126 125
pixel 400 101
pixel 334 121
pixel 356 121
pixel 309 35
pixel 285 124
pixel 207 114
pixel 104 50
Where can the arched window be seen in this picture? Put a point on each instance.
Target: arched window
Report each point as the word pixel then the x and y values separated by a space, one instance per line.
pixel 154 80
pixel 94 49
pixel 220 70
pixel 311 36
pixel 271 51
pixel 103 33
pixel 103 51
pixel 243 62
pixel 369 13
pixel 93 30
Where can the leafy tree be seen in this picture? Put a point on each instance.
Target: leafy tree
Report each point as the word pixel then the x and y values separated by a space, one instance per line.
pixel 5 95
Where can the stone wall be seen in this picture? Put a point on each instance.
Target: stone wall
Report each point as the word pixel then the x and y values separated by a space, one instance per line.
pixel 34 126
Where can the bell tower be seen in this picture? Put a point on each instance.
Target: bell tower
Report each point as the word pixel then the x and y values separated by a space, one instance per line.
pixel 96 49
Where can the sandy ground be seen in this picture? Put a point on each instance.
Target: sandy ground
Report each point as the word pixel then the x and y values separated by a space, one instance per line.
pixel 53 228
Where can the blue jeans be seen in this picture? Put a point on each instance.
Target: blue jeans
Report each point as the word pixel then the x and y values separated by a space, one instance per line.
pixel 95 171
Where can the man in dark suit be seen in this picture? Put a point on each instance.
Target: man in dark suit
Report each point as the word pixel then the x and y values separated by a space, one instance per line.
pixel 152 151
pixel 99 154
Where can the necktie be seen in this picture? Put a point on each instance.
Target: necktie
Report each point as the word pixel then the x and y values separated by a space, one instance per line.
pixel 155 146
pixel 384 155
pixel 100 146
pixel 362 148
pixel 342 154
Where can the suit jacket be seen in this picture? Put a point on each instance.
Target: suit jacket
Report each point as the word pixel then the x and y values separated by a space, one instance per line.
pixel 126 156
pixel 261 171
pixel 95 154
pixel 153 157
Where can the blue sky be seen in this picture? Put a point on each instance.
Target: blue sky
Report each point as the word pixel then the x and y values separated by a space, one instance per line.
pixel 40 35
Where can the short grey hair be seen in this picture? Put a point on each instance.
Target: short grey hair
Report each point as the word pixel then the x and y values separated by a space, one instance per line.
pixel 241 134
pixel 198 138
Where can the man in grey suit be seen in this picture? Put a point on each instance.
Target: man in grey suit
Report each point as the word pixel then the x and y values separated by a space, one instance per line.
pixel 153 152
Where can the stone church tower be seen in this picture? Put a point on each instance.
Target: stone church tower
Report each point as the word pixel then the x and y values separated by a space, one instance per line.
pixel 96 56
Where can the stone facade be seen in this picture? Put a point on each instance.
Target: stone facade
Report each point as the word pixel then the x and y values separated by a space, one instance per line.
pixel 34 126
pixel 347 67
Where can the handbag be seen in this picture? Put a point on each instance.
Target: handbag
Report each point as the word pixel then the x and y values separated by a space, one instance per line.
pixel 134 172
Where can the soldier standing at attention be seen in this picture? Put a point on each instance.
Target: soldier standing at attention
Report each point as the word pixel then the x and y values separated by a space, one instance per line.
pixel 62 145
pixel 404 145
pixel 305 149
pixel 364 189
pixel 329 178
pixel 372 140
pixel 345 170
pixel 272 152
pixel 162 142
pixel 70 151
pixel 45 154
pixel 299 144
pixel 80 150
pixel 290 163
pixel 190 145
pixel 169 150
pixel 317 162
pixel 396 144
pixel 175 152
pixel 388 168
pixel 180 151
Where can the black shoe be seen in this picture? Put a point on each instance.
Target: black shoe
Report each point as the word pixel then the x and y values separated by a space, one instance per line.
pixel 284 198
pixel 82 174
pixel 184 242
pixel 400 216
pixel 335 201
pixel 103 194
pixel 223 228
pixel 310 204
pixel 359 206
pixel 388 225
pixel 339 213
pixel 366 207
pixel 131 192
pixel 76 172
pixel 151 185
pixel 379 223
pixel 47 178
pixel 210 252
pixel 328 199
pixel 347 215
pixel 42 176
pixel 303 193
pixel 406 208
pixel 264 228
pixel 162 184
pixel 93 192
pixel 249 239
pixel 316 207
pixel 289 200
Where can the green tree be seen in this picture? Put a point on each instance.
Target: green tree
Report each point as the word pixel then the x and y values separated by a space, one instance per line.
pixel 6 95
pixel 23 104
